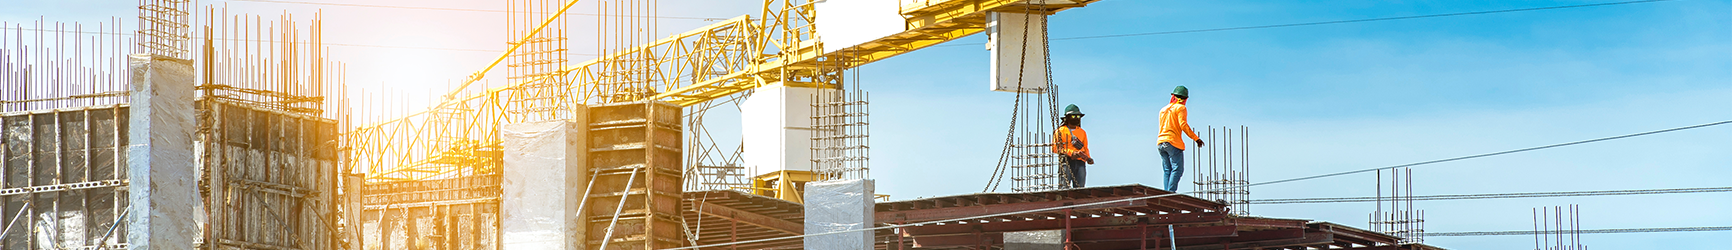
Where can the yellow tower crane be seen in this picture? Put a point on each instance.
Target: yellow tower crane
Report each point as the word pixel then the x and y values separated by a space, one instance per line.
pixel 779 46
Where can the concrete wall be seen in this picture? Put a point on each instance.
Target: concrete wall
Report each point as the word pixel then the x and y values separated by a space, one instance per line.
pixel 163 190
pixel 544 180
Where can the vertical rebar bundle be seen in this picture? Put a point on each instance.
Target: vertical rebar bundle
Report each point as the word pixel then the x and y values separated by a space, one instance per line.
pixel 61 65
pixel 840 141
pixel 628 71
pixel 163 28
pixel 540 60
pixel 1558 228
pixel 1402 219
pixel 1033 164
pixel 1222 168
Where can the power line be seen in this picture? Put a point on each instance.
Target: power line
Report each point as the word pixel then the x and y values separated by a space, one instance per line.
pixel 1337 21
pixel 1495 196
pixel 1056 208
pixel 1592 231
pixel 459 9
pixel 256 40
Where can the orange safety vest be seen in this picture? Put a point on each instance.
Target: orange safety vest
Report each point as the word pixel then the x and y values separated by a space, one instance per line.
pixel 1071 141
pixel 1172 122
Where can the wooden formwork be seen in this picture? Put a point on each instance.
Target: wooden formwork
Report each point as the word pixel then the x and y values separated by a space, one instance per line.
pixel 634 200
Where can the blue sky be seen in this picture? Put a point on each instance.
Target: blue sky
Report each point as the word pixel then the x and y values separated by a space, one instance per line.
pixel 1318 99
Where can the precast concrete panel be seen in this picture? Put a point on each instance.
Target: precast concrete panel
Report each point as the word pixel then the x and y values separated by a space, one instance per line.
pixel 544 180
pixel 836 206
pixel 776 126
pixel 163 180
pixel 1017 45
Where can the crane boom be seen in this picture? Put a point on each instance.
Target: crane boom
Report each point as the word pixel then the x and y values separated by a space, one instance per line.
pixel 781 47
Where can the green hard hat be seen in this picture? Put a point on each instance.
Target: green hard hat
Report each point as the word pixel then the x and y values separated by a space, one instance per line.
pixel 1072 110
pixel 1182 92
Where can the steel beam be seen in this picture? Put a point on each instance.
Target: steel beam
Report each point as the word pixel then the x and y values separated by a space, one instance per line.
pixel 755 219
pixel 920 215
pixel 1079 223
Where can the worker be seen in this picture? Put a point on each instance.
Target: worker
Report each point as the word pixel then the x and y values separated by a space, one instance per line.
pixel 1071 141
pixel 1172 145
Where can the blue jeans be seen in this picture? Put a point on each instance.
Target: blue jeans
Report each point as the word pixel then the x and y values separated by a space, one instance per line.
pixel 1173 162
pixel 1078 171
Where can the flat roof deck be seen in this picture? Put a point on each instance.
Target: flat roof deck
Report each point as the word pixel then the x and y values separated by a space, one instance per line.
pixel 730 216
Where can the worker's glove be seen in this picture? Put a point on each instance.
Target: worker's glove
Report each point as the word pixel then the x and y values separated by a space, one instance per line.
pixel 1199 142
pixel 1090 160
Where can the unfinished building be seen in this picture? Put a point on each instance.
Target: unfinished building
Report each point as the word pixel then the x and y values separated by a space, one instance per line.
pixel 90 130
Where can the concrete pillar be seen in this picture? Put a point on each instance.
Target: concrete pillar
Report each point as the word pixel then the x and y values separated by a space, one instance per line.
pixel 545 179
pixel 161 192
pixel 834 206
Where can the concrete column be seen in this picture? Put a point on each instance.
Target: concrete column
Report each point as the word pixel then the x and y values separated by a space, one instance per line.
pixel 834 206
pixel 545 179
pixel 161 192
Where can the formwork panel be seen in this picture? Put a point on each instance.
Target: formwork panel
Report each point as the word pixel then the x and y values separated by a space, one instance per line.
pixel 61 174
pixel 634 201
pixel 265 183
pixel 454 213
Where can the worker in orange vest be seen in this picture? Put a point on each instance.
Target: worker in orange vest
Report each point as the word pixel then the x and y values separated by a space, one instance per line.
pixel 1171 143
pixel 1071 141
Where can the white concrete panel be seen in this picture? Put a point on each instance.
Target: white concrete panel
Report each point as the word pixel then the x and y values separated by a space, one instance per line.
pixel 776 124
pixel 1014 36
pixel 161 190
pixel 845 23
pixel 544 180
pixel 836 206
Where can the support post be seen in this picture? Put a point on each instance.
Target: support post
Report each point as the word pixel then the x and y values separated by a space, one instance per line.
pixel 1067 232
pixel 1171 239
pixel 162 192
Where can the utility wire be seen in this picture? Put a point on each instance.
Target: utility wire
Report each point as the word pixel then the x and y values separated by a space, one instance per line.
pixel 1335 22
pixel 1591 231
pixel 1494 196
pixel 456 9
pixel 257 40
pixel 981 217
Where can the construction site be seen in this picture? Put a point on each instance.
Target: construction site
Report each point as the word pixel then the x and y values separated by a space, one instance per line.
pixel 197 126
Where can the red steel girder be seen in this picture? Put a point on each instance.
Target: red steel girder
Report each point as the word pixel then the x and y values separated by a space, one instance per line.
pixel 1051 224
pixel 750 218
pixel 1122 235
pixel 947 213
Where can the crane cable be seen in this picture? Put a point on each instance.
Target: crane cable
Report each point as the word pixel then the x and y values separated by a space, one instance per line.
pixel 1320 176
pixel 998 170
